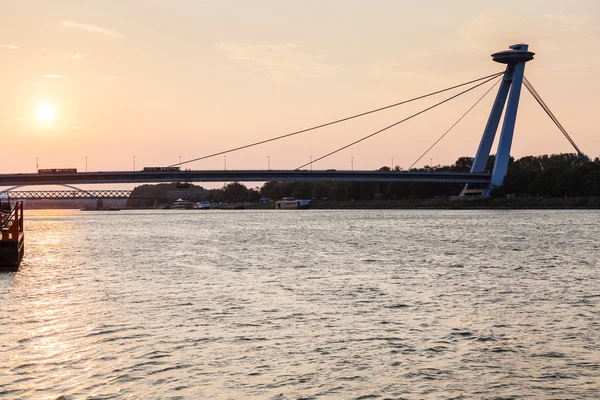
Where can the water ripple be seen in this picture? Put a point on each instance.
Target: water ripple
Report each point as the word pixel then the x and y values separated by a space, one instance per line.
pixel 311 305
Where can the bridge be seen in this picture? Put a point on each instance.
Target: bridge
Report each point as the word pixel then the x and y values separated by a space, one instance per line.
pixel 511 80
pixel 79 178
pixel 69 194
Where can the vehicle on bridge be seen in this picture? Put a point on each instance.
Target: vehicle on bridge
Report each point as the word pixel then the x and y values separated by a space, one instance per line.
pixel 57 170
pixel 160 169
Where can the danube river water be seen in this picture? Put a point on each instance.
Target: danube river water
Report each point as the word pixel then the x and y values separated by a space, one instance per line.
pixel 304 305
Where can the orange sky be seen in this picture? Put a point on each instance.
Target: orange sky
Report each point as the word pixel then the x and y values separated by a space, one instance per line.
pixel 163 79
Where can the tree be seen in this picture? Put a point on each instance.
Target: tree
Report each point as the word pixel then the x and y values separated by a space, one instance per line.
pixel 320 190
pixel 463 164
pixel 234 192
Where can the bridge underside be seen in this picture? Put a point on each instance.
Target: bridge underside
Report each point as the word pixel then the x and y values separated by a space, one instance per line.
pixel 242 176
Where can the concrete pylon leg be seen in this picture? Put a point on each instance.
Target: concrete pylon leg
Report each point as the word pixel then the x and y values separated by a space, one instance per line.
pixel 515 59
pixel 485 146
pixel 508 127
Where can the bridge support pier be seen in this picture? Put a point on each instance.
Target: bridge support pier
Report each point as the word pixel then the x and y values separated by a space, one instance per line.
pixel 510 88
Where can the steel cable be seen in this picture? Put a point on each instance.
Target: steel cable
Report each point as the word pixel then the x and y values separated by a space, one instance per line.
pixel 401 121
pixel 456 123
pixel 541 102
pixel 334 122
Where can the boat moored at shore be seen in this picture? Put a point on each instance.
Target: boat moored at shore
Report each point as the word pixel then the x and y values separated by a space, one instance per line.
pixel 205 205
pixel 290 203
pixel 181 204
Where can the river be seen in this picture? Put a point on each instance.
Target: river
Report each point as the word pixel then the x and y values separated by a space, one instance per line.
pixel 393 304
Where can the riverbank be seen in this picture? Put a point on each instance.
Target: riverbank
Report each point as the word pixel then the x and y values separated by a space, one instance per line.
pixel 522 203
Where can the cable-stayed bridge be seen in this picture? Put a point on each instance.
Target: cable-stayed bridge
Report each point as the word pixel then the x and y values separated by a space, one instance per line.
pixel 80 178
pixel 511 81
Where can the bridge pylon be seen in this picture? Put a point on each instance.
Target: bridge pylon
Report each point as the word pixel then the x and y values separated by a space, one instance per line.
pixel 510 88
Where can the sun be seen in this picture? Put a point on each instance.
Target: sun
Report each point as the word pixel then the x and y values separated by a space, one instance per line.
pixel 45 112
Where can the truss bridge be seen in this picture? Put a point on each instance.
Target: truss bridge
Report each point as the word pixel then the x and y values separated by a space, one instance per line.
pixel 69 194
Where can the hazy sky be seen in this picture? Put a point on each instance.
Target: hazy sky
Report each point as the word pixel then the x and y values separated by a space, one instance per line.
pixel 164 79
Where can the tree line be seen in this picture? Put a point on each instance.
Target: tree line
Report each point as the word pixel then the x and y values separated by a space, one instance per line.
pixel 556 175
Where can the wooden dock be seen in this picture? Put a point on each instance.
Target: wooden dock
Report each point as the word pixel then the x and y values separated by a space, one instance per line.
pixel 12 241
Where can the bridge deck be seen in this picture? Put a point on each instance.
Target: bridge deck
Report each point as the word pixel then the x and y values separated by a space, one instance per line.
pixel 239 176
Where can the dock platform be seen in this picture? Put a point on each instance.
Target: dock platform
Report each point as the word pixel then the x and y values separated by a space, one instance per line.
pixel 12 241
